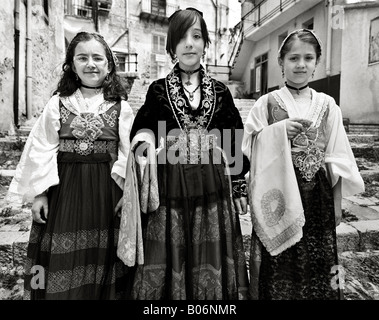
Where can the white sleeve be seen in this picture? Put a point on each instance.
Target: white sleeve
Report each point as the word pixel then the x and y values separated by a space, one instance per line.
pixel 339 157
pixel 125 123
pixel 255 122
pixel 37 169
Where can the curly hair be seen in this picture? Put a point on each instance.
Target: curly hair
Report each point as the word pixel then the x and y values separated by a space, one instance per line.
pixel 113 89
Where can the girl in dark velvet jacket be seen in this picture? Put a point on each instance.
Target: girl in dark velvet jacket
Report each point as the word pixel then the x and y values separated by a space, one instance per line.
pixel 192 242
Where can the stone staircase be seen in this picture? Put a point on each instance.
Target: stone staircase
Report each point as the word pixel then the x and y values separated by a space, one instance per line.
pixel 136 97
pixel 244 106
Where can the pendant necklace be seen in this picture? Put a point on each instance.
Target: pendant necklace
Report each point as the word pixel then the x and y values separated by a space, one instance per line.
pixel 97 89
pixel 189 73
pixel 191 93
pixel 297 89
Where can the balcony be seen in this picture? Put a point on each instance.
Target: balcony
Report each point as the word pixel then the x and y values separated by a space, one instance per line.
pixel 218 72
pixel 257 22
pixel 156 11
pixel 85 9
pixel 269 15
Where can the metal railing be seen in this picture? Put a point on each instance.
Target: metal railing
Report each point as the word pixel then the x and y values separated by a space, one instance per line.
pixel 148 7
pixel 85 8
pixel 79 8
pixel 257 16
pixel 263 12
pixel 235 43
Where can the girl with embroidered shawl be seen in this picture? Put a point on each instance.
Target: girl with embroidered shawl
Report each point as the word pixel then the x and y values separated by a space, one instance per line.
pixel 301 167
pixel 192 241
pixel 73 169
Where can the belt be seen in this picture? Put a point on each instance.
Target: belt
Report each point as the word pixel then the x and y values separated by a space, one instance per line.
pixel 85 147
pixel 191 146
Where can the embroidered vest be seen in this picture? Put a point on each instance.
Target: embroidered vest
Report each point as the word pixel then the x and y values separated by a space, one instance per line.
pixel 309 145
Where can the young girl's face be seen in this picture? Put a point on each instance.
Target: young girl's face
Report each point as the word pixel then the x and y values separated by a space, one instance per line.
pixel 90 62
pixel 190 48
pixel 299 63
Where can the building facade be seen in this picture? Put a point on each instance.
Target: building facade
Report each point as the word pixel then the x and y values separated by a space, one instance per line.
pixel 349 66
pixel 31 50
pixel 33 53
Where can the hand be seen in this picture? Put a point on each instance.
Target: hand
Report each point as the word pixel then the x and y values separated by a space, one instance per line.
pixel 40 208
pixel 293 127
pixel 241 205
pixel 118 207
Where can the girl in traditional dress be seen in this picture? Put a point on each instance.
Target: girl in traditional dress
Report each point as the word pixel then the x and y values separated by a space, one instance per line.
pixel 192 241
pixel 301 167
pixel 73 169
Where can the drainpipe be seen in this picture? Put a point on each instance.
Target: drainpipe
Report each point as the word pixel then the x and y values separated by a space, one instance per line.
pixel 215 4
pixel 127 22
pixel 16 60
pixel 329 43
pixel 95 14
pixel 29 77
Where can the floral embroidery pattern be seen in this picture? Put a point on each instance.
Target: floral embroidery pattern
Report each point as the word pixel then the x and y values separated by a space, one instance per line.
pixel 87 126
pixel 273 206
pixel 110 118
pixel 64 114
pixel 309 161
pixel 180 107
pixel 193 127
pixel 311 158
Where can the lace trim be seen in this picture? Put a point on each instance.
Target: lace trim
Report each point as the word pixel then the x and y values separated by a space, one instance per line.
pixel 317 112
pixel 279 101
pixel 104 107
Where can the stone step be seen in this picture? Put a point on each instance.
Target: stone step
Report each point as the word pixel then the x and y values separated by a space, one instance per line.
pixel 353 236
pixel 364 128
pixel 363 138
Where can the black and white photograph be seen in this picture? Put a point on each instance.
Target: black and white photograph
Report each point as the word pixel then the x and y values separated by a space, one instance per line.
pixel 189 158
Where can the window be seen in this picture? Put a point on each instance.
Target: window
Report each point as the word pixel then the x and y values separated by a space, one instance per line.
pixel 158 56
pixel 127 62
pixel 308 24
pixel 258 79
pixel 159 44
pixel 281 38
pixel 121 59
pixel 158 7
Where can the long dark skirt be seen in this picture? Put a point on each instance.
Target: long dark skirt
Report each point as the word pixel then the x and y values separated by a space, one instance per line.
pixel 73 255
pixel 193 245
pixel 304 271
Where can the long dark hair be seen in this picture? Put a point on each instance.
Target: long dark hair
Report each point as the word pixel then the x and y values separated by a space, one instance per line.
pixel 113 89
pixel 179 22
